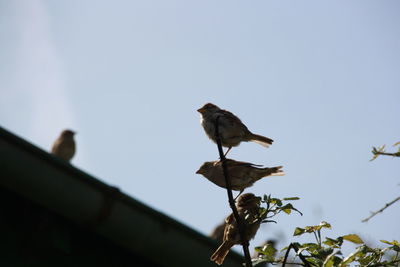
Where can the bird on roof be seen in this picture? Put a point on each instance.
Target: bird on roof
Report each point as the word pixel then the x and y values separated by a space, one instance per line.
pixel 64 147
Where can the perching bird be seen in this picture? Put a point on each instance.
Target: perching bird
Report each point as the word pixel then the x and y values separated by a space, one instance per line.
pixel 64 146
pixel 231 129
pixel 241 174
pixel 248 210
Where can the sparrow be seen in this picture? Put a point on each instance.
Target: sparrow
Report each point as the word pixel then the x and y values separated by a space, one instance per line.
pixel 64 146
pixel 231 129
pixel 248 209
pixel 241 174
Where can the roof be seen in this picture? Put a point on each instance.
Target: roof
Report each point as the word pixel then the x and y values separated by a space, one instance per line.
pixel 84 200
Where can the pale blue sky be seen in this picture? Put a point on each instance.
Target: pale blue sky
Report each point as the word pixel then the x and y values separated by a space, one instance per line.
pixel 321 78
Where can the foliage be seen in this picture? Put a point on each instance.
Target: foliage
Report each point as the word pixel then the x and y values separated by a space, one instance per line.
pixel 271 207
pixel 327 253
pixel 381 151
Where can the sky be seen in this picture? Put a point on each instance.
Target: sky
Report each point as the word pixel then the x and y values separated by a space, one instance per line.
pixel 321 78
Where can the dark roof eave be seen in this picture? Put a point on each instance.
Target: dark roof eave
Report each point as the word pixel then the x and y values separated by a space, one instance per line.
pixel 72 193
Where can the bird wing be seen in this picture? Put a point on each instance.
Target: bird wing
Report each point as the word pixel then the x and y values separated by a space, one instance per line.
pixel 230 228
pixel 235 163
pixel 230 219
pixel 232 120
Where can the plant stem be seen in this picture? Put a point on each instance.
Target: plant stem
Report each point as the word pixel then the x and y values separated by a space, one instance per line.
pixel 240 224
pixel 303 259
pixel 381 210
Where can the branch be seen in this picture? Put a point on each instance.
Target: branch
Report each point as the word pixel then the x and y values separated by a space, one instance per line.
pixel 381 151
pixel 240 224
pixel 381 210
pixel 303 259
pixel 397 154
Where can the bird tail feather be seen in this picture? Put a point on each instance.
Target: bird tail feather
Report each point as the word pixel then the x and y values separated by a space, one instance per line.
pixel 219 255
pixel 262 140
pixel 274 171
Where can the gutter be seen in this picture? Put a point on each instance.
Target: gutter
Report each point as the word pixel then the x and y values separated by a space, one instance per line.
pixel 59 186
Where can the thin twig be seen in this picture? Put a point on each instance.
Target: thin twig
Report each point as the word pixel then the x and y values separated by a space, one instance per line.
pixel 303 259
pixel 240 224
pixel 388 154
pixel 286 255
pixel 381 210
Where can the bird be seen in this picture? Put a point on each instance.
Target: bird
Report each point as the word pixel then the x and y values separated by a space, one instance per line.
pixel 248 209
pixel 241 174
pixel 64 146
pixel 231 129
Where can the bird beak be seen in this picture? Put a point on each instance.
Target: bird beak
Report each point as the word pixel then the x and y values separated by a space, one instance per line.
pixel 201 110
pixel 198 171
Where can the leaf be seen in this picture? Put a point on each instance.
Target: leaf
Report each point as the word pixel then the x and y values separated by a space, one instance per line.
pixel 330 260
pixel 315 261
pixel 288 209
pixel 276 201
pixel 398 143
pixel 290 198
pixel 353 238
pixel 336 243
pixel 262 213
pixel 352 256
pixel 299 231
pixel 268 252
pixel 374 157
pixel 376 151
pixel 314 228
pixel 394 242
pixel 311 248
pixel 266 198
pixel 267 221
pixel 324 224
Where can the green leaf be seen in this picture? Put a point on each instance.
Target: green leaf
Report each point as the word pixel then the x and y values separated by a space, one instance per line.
pixel 336 243
pixel 290 198
pixel 398 143
pixel 367 259
pixel 309 246
pixel 288 209
pixel 262 213
pixel 324 224
pixel 314 228
pixel 299 231
pixel 315 261
pixel 266 198
pixel 276 201
pixel 352 256
pixel 268 252
pixel 314 250
pixel 394 242
pixel 331 260
pixel 353 238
